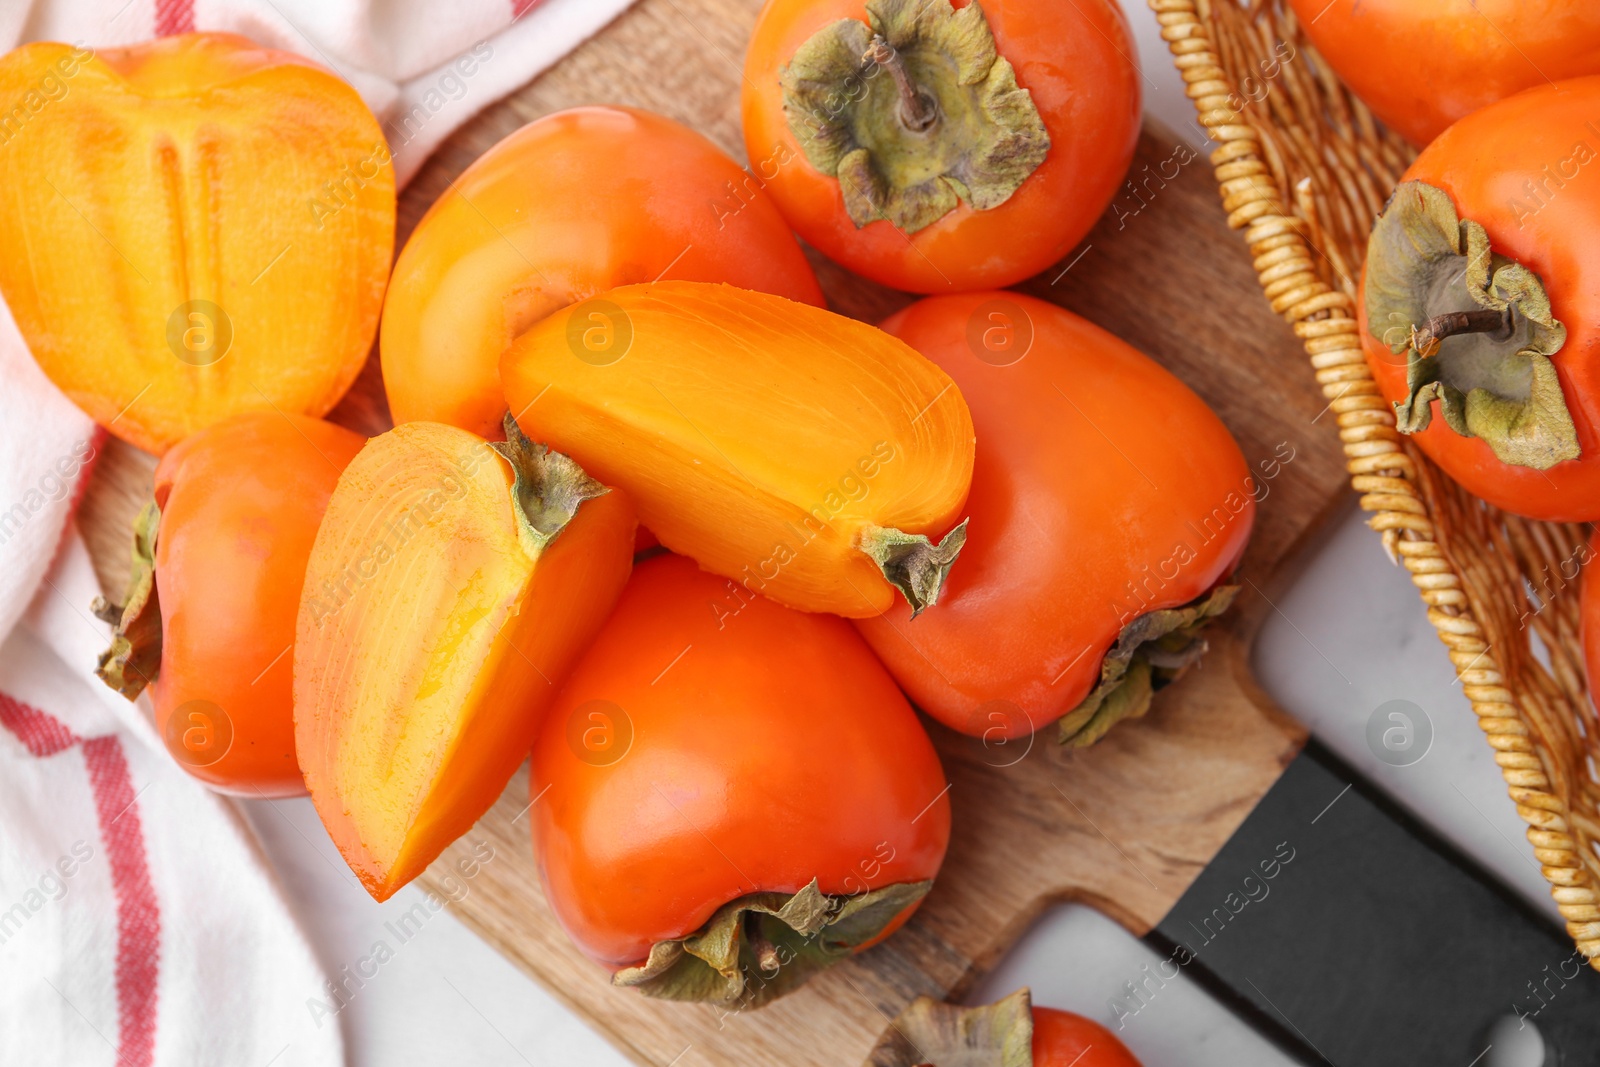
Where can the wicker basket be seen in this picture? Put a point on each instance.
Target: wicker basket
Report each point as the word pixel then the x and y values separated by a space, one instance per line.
pixel 1304 170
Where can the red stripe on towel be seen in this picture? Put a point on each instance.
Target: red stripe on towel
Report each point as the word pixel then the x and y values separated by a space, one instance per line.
pixel 174 16
pixel 138 913
pixel 122 831
pixel 42 733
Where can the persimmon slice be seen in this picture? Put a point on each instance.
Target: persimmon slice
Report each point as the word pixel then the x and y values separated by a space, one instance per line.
pixel 191 228
pixel 451 585
pixel 811 457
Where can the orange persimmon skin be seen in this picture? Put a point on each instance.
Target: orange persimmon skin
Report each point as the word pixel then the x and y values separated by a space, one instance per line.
pixel 1076 58
pixel 1103 488
pixel 168 244
pixel 1062 1039
pixel 565 208
pixel 1422 64
pixel 240 506
pixel 1484 163
pixel 772 750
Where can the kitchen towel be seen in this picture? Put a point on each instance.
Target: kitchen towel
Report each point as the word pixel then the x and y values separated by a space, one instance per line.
pixel 139 921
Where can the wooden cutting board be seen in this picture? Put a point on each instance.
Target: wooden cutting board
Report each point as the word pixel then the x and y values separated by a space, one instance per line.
pixel 1125 826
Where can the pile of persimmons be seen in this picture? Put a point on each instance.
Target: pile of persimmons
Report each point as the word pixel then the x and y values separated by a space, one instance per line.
pixel 649 511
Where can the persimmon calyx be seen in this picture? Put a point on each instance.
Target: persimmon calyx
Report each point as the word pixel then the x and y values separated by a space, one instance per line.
pixel 134 659
pixel 547 490
pixel 761 946
pixel 913 563
pixel 1150 652
pixel 1476 328
pixel 931 1031
pixel 914 111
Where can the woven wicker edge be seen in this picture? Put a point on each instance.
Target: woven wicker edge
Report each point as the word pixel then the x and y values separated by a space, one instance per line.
pixel 1381 470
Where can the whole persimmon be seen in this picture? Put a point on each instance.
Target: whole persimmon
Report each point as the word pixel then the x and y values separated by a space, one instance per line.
pixel 1480 302
pixel 1109 507
pixel 730 795
pixel 219 558
pixel 1422 64
pixel 1064 1039
pixel 1011 1031
pixel 939 147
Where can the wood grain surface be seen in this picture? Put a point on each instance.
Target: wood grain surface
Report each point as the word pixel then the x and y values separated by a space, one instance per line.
pixel 1124 826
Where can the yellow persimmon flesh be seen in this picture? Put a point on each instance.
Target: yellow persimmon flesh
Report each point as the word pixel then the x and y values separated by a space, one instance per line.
pixel 810 457
pixel 451 586
pixel 191 228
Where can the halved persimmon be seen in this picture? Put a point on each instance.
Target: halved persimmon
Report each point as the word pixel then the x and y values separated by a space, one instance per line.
pixel 191 228
pixel 451 585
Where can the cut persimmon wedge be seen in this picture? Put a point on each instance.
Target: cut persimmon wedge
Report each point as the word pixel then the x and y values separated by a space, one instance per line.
pixel 813 458
pixel 451 586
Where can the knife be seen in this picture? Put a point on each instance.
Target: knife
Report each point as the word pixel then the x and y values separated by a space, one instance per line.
pixel 1351 934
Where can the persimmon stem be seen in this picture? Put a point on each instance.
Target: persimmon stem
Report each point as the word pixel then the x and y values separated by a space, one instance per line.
pixel 915 112
pixel 1451 323
pixel 912 563
pixel 134 659
pixel 918 110
pixel 766 952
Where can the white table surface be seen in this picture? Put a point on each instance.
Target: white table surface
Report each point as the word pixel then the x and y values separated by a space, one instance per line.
pixel 1348 636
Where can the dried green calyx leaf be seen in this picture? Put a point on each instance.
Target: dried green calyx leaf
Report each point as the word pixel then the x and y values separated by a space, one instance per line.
pixel 1151 651
pixel 761 946
pixel 548 487
pixel 948 1035
pixel 134 659
pixel 913 563
pixel 1476 327
pixel 913 111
